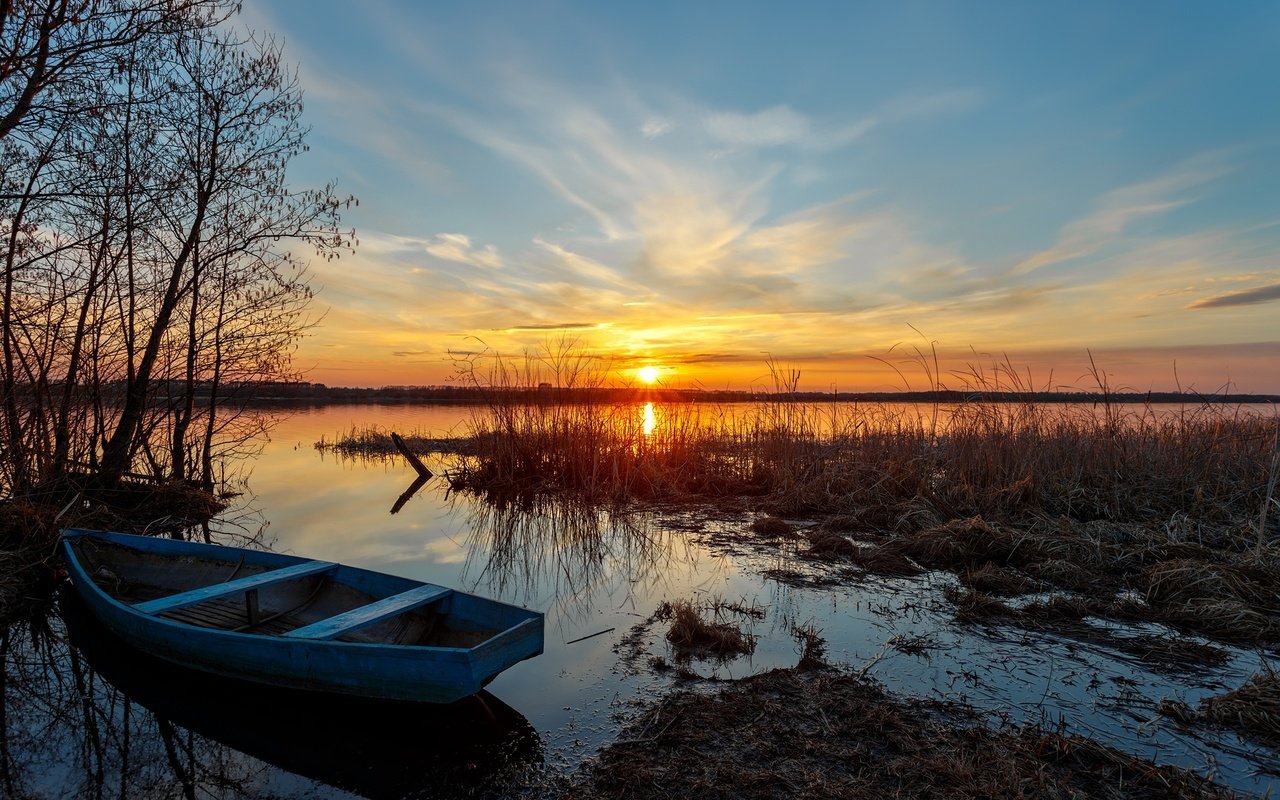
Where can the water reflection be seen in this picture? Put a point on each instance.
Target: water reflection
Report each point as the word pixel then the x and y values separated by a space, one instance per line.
pixel 650 419
pixel 88 716
pixel 563 556
pixel 408 493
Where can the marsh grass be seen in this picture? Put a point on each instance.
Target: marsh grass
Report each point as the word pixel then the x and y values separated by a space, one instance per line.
pixel 692 635
pixel 28 539
pixel 373 442
pixel 1205 470
pixel 1167 503
pixel 30 527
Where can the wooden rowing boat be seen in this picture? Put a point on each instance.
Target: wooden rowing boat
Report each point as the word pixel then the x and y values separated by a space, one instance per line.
pixel 468 748
pixel 296 622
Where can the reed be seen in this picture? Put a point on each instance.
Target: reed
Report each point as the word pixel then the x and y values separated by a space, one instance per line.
pixel 880 465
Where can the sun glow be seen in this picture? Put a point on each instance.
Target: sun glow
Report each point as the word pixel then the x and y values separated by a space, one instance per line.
pixel 648 374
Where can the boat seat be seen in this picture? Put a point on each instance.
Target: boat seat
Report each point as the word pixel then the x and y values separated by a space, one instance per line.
pixel 357 618
pixel 246 584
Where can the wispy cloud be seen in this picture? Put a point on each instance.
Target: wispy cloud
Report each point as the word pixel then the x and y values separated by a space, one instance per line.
pixel 1121 208
pixel 555 326
pixel 1262 294
pixel 773 126
pixel 457 247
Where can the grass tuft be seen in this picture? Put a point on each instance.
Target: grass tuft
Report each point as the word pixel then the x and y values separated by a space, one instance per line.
pixel 692 636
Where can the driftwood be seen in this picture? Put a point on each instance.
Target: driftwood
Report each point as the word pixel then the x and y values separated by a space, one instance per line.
pixel 416 463
pixel 413 460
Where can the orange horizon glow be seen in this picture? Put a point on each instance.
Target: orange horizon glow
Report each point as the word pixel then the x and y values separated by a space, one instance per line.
pixel 1233 369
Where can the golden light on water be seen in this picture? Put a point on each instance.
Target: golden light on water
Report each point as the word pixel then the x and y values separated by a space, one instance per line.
pixel 647 374
pixel 650 421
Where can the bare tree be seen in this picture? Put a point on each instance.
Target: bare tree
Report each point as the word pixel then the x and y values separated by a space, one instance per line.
pixel 150 231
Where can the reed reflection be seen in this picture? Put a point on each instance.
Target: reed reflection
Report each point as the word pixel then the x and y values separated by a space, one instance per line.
pixel 564 555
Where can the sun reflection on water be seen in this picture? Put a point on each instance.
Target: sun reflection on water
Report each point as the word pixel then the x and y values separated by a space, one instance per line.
pixel 650 420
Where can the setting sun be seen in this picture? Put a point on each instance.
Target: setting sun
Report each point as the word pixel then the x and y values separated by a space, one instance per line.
pixel 648 374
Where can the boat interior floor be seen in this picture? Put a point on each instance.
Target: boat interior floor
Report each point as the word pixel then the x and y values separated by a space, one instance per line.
pixel 278 609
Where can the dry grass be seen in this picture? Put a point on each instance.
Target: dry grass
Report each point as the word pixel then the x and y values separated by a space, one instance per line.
pixel 692 636
pixel 813 647
pixel 888 467
pixel 771 527
pixel 975 606
pixel 1181 581
pixel 817 734
pixel 1229 591
pixel 999 581
pixel 1253 709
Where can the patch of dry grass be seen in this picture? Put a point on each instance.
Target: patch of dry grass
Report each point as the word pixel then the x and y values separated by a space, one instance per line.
pixel 771 527
pixel 693 636
pixel 1253 709
pixel 819 734
pixel 999 581
pixel 374 442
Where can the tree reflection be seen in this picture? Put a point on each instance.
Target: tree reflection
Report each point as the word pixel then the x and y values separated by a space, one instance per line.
pixel 84 715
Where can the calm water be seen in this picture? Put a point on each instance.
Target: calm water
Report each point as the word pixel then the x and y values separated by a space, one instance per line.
pixel 91 719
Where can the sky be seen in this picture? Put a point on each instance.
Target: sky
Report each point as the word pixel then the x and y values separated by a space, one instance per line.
pixel 709 187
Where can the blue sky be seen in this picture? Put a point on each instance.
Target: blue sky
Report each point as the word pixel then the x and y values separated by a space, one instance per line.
pixel 701 185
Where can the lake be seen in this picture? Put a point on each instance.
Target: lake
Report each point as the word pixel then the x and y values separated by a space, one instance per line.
pixel 77 725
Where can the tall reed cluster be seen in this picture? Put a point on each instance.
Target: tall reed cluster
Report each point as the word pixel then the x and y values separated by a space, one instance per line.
pixel 880 463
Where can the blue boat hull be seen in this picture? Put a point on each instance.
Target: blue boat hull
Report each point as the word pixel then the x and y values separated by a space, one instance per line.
pixel 366 669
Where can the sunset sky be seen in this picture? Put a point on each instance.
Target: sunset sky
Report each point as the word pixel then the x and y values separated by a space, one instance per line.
pixel 700 186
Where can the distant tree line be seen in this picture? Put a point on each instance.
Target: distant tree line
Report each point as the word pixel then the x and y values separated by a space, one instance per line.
pixel 271 392
pixel 149 271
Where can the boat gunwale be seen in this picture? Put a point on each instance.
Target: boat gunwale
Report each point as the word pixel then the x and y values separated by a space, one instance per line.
pixel 74 563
